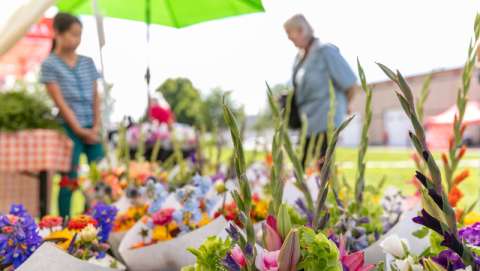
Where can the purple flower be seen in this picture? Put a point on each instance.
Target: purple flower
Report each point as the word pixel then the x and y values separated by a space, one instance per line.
pixel 230 263
pixel 471 234
pixel 449 259
pixel 428 221
pixel 105 215
pixel 303 209
pixel 334 238
pixel 233 232
pixel 19 237
pixel 218 177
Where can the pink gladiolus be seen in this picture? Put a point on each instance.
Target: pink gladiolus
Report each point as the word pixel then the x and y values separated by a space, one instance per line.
pixel 267 260
pixel 238 256
pixel 354 261
pixel 272 222
pixel 271 238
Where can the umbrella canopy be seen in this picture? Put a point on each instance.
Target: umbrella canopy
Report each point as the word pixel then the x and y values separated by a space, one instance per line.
pixel 174 13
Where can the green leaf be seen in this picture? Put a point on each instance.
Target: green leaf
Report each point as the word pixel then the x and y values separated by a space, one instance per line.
pixel 421 233
pixel 283 220
pixel 388 72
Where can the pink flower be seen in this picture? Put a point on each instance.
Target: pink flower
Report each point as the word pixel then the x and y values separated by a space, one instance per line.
pixel 354 261
pixel 238 256
pixel 267 260
pixel 271 238
pixel 163 217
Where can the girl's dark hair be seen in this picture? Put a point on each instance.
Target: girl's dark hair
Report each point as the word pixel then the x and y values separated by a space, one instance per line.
pixel 62 23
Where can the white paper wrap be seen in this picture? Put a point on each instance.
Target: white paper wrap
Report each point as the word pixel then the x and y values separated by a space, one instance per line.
pixel 169 255
pixel 50 257
pixel 403 229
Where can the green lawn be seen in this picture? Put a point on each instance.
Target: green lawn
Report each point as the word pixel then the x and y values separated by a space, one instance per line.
pixel 399 175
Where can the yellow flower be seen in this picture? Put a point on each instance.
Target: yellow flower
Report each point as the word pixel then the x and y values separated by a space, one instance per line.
pixel 376 199
pixel 161 233
pixel 472 218
pixel 261 209
pixel 61 238
pixel 163 176
pixel 204 220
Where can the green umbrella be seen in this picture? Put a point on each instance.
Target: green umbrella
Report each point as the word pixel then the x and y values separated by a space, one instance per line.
pixel 174 13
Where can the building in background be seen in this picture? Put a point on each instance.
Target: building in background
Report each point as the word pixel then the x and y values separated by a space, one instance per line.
pixel 390 125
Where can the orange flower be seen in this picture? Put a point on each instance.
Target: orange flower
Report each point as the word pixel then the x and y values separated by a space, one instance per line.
pixel 445 159
pixel 461 177
pixel 450 143
pixel 462 151
pixel 454 196
pixel 310 171
pixel 462 130
pixel 269 159
pixel 81 221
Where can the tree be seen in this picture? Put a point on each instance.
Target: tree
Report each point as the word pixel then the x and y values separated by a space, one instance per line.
pixel 213 110
pixel 184 99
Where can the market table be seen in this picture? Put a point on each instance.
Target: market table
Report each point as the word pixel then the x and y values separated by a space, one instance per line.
pixel 35 152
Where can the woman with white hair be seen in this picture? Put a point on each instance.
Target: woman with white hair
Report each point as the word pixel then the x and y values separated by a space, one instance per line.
pixel 316 64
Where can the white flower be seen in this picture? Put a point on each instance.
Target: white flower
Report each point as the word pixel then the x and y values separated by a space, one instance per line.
pixel 88 234
pixel 468 268
pixel 407 264
pixel 395 246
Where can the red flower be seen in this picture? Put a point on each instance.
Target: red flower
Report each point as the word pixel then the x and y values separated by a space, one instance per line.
pixel 81 221
pixel 454 196
pixel 7 229
pixel 163 217
pixel 50 221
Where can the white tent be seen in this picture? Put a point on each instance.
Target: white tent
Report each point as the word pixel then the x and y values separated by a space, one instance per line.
pixel 16 18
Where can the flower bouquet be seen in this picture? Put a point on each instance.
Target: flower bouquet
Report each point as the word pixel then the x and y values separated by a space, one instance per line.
pixel 287 245
pixel 174 221
pixel 79 244
pixel 449 248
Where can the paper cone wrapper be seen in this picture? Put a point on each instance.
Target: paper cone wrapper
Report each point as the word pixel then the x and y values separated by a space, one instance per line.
pixel 403 229
pixel 50 257
pixel 122 204
pixel 114 240
pixel 169 255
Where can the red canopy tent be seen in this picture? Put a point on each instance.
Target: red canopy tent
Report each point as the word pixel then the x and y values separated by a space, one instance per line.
pixel 439 128
pixel 29 52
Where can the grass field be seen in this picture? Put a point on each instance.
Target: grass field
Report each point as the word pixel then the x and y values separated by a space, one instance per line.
pixel 395 164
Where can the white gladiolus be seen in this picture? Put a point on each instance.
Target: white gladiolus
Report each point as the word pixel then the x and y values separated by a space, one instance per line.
pixel 395 246
pixel 407 264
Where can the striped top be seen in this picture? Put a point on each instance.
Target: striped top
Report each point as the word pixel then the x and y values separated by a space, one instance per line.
pixel 76 84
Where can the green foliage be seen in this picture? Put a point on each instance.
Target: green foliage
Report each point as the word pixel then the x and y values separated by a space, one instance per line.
pixel 20 110
pixel 317 251
pixel 210 255
pixel 264 119
pixel 295 216
pixel 212 116
pixel 361 163
pixel 184 99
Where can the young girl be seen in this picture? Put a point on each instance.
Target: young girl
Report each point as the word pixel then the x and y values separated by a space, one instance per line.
pixel 71 81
